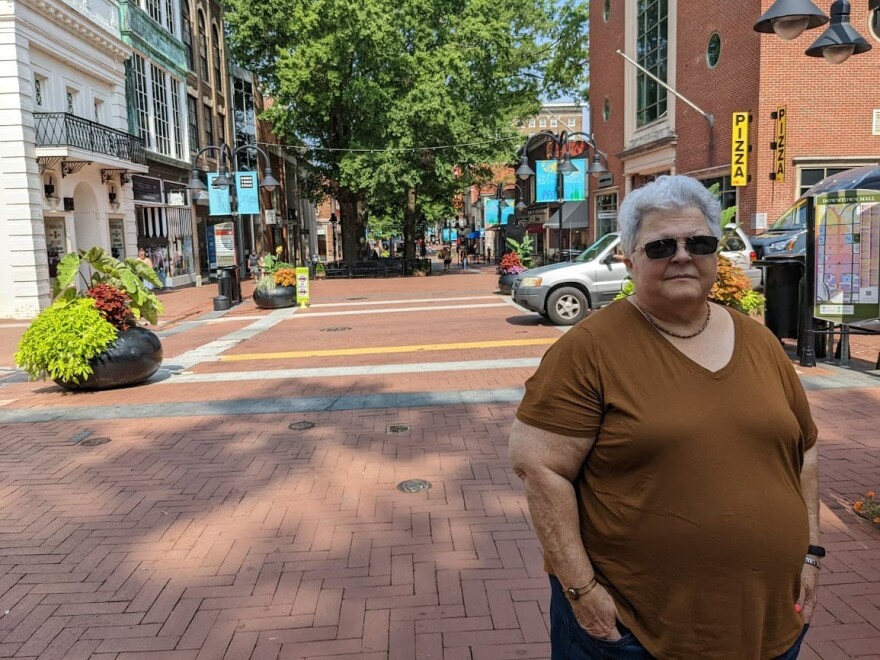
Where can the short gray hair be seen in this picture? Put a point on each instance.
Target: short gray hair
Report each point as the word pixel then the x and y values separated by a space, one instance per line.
pixel 663 194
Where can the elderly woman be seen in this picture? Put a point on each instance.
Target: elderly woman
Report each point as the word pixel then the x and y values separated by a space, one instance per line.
pixel 669 460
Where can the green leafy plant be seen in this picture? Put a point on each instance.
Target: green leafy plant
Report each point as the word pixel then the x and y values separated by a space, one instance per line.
pixel 523 249
pixel 320 270
pixel 266 283
pixel 63 339
pixel 128 276
pixel 271 263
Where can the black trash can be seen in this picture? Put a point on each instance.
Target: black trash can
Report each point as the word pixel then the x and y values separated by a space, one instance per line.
pixel 224 283
pixel 229 274
pixel 782 289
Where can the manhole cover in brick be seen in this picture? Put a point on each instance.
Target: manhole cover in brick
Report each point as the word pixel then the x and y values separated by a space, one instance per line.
pixel 413 485
pixel 340 329
pixel 301 426
pixel 93 442
pixel 398 428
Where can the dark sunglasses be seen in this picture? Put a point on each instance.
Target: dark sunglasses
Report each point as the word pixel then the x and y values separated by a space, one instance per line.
pixel 666 247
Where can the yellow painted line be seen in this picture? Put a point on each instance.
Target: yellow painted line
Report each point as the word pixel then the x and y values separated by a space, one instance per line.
pixel 377 350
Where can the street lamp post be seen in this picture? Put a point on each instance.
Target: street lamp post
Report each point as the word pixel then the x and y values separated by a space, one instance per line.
pixel 563 167
pixel 228 167
pixel 789 18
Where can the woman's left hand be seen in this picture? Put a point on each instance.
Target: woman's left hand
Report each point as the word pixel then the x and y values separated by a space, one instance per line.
pixel 809 592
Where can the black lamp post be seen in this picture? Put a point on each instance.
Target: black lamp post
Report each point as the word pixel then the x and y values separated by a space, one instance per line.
pixel 333 222
pixel 499 195
pixel 563 166
pixel 789 18
pixel 227 159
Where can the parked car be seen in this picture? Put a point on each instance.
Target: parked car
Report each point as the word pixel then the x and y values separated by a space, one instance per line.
pixel 794 221
pixel 565 292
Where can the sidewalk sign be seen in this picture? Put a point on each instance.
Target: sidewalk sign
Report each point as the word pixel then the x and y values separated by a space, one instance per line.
pixel 302 286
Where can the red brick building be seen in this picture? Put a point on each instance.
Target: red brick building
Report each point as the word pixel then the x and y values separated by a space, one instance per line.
pixel 710 54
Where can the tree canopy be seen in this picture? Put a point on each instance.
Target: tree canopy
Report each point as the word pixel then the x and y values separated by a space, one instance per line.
pixel 393 98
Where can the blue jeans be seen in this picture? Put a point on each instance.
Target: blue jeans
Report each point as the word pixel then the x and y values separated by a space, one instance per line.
pixel 569 641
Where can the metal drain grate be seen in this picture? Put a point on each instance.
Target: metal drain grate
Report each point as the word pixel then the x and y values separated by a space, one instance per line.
pixel 301 426
pixel 398 428
pixel 93 442
pixel 339 329
pixel 357 298
pixel 413 486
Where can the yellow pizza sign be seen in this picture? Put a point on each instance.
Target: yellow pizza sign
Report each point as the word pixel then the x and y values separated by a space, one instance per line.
pixel 779 152
pixel 739 157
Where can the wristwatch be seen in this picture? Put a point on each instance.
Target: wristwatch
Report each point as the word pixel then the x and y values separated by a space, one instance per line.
pixel 573 593
pixel 816 551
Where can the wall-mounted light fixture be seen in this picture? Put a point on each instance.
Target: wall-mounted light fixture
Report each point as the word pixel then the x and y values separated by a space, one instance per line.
pixel 111 196
pixel 49 192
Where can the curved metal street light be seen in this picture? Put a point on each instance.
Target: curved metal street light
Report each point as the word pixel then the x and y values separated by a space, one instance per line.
pixel 564 166
pixel 789 18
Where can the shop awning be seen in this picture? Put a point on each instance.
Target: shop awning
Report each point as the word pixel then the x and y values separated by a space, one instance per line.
pixel 474 234
pixel 574 216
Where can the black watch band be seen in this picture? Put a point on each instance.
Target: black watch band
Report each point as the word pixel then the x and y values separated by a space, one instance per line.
pixel 816 551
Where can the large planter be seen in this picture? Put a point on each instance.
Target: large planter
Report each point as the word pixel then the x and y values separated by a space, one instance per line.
pixel 132 358
pixel 280 296
pixel 505 283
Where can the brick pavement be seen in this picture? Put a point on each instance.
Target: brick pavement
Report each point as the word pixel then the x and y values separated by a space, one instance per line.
pixel 235 536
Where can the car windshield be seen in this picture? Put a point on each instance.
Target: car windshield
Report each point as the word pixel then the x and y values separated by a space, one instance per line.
pixel 596 248
pixel 795 218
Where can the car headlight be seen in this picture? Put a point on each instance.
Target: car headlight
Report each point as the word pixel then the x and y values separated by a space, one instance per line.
pixel 531 281
pixel 779 245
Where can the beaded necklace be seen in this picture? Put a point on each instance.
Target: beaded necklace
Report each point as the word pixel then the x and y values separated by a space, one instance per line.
pixel 659 327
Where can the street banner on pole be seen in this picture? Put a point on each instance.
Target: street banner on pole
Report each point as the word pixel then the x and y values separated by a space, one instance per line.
pixel 218 197
pixel 779 152
pixel 247 191
pixel 847 256
pixel 507 210
pixel 574 184
pixel 490 211
pixel 545 181
pixel 302 286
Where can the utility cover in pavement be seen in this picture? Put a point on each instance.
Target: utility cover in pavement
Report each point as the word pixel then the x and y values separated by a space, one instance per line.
pixel 93 442
pixel 301 426
pixel 340 329
pixel 398 428
pixel 413 485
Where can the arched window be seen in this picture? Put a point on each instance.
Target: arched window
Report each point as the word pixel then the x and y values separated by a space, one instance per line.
pixel 203 47
pixel 218 63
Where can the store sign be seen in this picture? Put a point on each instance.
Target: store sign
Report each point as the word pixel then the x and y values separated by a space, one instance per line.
pixel 739 158
pixel 779 151
pixel 146 189
pixel 247 192
pixel 224 243
pixel 847 256
pixel 271 217
pixel 117 238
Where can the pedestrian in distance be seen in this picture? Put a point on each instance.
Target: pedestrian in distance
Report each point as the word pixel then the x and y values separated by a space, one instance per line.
pixel 254 265
pixel 666 532
pixel 447 257
pixel 463 256
pixel 488 255
pixel 142 256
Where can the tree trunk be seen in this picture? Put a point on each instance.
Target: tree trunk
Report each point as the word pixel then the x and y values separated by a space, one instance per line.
pixel 351 225
pixel 410 216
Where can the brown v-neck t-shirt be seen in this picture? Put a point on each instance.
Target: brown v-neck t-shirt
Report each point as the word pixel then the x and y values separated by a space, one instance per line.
pixel 690 500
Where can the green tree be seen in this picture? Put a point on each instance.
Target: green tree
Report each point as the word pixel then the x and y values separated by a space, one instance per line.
pixel 389 96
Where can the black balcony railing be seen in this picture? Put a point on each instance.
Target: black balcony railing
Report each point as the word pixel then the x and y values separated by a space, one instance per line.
pixel 60 129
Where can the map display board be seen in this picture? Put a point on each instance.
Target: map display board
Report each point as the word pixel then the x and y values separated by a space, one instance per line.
pixel 847 256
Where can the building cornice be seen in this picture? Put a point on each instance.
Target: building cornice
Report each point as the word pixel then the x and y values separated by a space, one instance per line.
pixel 91 29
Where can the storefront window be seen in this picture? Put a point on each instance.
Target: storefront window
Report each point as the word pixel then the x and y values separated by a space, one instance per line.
pixel 606 214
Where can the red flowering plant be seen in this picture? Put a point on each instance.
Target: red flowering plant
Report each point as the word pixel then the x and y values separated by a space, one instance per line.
pixel 511 264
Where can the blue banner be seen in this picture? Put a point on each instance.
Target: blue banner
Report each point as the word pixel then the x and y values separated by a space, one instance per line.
pixel 450 235
pixel 507 211
pixel 218 197
pixel 490 211
pixel 247 191
pixel 545 181
pixel 575 183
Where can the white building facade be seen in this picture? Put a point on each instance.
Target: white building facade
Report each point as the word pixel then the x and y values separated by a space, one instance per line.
pixel 66 154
